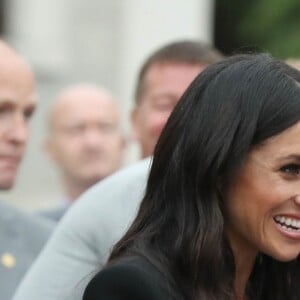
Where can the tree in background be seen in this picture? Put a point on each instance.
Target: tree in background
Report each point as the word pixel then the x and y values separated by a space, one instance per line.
pixel 265 25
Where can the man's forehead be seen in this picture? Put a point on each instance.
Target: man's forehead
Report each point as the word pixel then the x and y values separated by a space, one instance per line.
pixel 172 75
pixel 84 109
pixel 17 83
pixel 15 72
pixel 5 49
pixel 170 78
pixel 9 56
pixel 82 102
pixel 84 106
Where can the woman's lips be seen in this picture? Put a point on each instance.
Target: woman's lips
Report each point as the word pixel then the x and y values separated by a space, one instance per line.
pixel 288 225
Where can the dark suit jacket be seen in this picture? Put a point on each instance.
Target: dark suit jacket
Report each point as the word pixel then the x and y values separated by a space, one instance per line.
pixel 130 279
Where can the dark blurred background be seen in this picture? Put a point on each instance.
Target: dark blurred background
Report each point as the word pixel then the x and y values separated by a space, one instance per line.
pixel 259 25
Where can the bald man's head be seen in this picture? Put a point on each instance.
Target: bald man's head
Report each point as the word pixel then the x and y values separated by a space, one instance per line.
pixel 80 97
pixel 17 103
pixel 85 138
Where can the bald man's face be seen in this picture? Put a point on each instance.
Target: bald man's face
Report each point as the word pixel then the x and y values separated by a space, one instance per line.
pixel 17 103
pixel 85 139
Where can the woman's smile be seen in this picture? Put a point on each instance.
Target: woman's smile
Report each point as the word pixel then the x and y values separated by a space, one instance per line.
pixel 263 201
pixel 288 225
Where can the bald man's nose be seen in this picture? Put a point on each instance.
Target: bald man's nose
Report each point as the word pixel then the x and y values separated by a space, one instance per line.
pixel 17 130
pixel 93 136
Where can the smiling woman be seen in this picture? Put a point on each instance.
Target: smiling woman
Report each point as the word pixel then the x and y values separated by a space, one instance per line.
pixel 220 218
pixel 263 201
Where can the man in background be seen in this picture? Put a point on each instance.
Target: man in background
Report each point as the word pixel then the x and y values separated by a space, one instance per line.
pixel 85 140
pixel 21 236
pixel 161 81
pixel 83 239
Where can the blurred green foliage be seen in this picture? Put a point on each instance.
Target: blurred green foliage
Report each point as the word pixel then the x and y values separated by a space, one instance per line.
pixel 267 25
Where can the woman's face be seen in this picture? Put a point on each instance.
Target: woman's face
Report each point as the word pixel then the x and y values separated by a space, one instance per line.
pixel 263 201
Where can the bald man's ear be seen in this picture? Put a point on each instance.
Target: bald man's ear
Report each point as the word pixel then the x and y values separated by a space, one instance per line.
pixel 124 144
pixel 49 150
pixel 124 141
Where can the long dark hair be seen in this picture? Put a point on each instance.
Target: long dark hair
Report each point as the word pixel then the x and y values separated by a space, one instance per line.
pixel 230 107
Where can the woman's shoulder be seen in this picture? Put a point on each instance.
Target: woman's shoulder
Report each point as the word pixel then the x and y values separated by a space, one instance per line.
pixel 131 278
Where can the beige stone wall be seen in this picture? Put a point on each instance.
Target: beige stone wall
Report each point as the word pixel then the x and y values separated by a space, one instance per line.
pixel 102 41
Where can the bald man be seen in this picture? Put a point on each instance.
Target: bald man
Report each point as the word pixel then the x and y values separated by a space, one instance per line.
pixel 21 236
pixel 85 140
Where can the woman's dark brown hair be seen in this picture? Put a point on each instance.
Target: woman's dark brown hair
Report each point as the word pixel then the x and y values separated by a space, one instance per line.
pixel 230 107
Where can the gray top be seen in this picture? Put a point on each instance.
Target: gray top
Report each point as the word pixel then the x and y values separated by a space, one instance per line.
pixel 21 238
pixel 55 213
pixel 83 239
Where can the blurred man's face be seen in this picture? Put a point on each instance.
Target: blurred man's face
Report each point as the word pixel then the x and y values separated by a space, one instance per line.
pixel 17 103
pixel 86 140
pixel 164 84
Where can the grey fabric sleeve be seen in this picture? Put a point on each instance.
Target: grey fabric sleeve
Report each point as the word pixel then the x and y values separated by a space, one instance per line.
pixel 83 239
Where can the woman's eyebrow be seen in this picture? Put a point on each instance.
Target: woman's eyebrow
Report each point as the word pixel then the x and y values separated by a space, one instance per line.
pixel 289 157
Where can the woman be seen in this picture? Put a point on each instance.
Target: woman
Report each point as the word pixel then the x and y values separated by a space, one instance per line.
pixel 220 218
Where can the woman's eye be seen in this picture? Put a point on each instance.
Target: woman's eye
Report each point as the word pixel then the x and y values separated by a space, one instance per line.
pixel 292 169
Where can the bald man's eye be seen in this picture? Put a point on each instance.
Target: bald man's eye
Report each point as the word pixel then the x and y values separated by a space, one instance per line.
pixel 107 128
pixel 6 109
pixel 29 112
pixel 75 129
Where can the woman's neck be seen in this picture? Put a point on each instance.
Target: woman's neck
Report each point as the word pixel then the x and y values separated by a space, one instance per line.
pixel 244 258
pixel 243 269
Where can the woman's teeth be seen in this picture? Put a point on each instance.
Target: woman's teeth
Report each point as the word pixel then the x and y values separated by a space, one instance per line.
pixel 288 223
